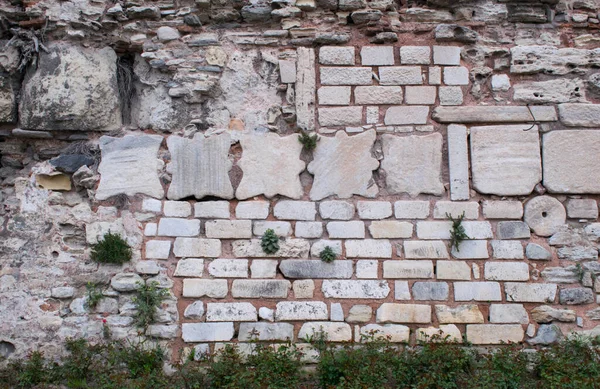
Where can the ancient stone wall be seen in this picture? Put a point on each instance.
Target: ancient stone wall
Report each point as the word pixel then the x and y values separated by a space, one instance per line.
pixel 175 124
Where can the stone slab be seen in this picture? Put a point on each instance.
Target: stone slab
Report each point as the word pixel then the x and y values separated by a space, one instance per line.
pixel 458 162
pixel 305 89
pixel 579 115
pixel 315 268
pixel 355 289
pixel 495 114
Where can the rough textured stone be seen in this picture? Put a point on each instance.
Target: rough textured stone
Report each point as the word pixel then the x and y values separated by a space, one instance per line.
pixel 536 252
pixel 207 332
pixel 430 291
pixel 414 249
pixel 424 95
pixel 377 95
pixel 445 333
pixel 471 249
pixel 343 166
pixel 298 268
pixel 345 76
pixel 458 162
pixel 569 165
pixel 553 91
pixel 505 160
pixel 368 248
pixel 340 116
pixel 212 209
pixel 550 59
pixel 406 115
pixel 400 75
pixel 544 215
pixel 334 331
pixel 495 333
pixel 332 55
pixel 228 229
pixel 347 229
pixel 168 226
pixel 201 288
pixel 230 312
pixel 309 229
pixel 576 296
pixel 413 164
pixel 359 314
pixel 289 248
pixel 456 75
pixel 266 331
pixel 512 230
pixel 547 334
pixel 189 267
pixel 126 282
pixel 547 314
pixel 271 166
pixel 303 289
pixel 158 249
pixel 377 55
pixel 355 289
pixel 129 166
pixel 415 55
pixel 200 167
pixel 389 229
pixel 507 249
pixel 252 210
pixel 446 55
pixel 502 209
pixel 458 315
pixel 393 333
pixel 366 268
pixel 71 88
pixel 477 291
pixel 496 114
pixel 403 313
pixel 339 210
pixel 260 288
pixel 454 32
pixel 263 268
pixel 411 209
pixel 582 209
pixel 508 313
pixel 228 268
pixel 194 311
pixel 579 115
pixel 530 293
pixel 441 229
pixel 561 275
pixel 336 95
pixel 305 310
pixel 193 247
pixel 407 269
pixel 453 270
pixel 281 229
pixel 295 210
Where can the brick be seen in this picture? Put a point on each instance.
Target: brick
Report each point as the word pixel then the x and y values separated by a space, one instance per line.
pixel 178 227
pixel 309 229
pixel 461 314
pixel 265 332
pixel 334 95
pixel 530 293
pixel 341 116
pixel 406 115
pixel 280 228
pixel 471 249
pixel 512 230
pixel 346 76
pixel 355 289
pixel 416 95
pixel 231 312
pixel 337 210
pixel 437 291
pixel 456 209
pixel 407 269
pixel 400 75
pixel 456 75
pixel 495 333
pixel 201 288
pixel 334 331
pixel 177 209
pixel 295 210
pixel 367 268
pixel 477 291
pixel 446 55
pixel 315 268
pixel 415 55
pixel 212 209
pixel 369 248
pixel 393 333
pixel 189 267
pixel 335 55
pixel 252 210
pixel 263 268
pixel 301 310
pixel 415 249
pixel 303 289
pixel 374 209
pixel 506 271
pixel 228 229
pixel 195 247
pixel 377 55
pixel 502 209
pixel 451 95
pixel 228 268
pixel 458 163
pixel 346 229
pixel 390 229
pixel 378 95
pixel 158 249
pixel 452 270
pixel 260 288
pixel 441 229
pixel 207 332
pixel 507 249
pixel 411 209
pixel 403 313
pixel 508 313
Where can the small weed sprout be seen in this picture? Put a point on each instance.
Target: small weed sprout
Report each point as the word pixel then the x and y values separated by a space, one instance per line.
pixel 94 295
pixel 270 242
pixel 147 300
pixel 328 255
pixel 309 142
pixel 111 249
pixel 457 233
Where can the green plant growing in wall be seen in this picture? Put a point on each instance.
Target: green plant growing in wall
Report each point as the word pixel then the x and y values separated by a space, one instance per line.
pixel 111 249
pixel 309 142
pixel 457 233
pixel 270 242
pixel 93 294
pixel 147 300
pixel 328 255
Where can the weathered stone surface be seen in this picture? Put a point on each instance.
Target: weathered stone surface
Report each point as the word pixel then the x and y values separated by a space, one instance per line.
pixel 403 313
pixel 71 88
pixel 561 275
pixel 442 209
pixel 530 293
pixel 477 291
pixel 411 209
pixel 415 55
pixel 495 114
pixel 569 165
pixel 129 166
pixel 536 252
pixel 407 269
pixel 8 102
pixel 343 166
pixel 271 166
pixel 263 268
pixel 305 310
pixel 266 331
pixel 303 289
pixel 582 209
pixel 576 296
pixel 359 314
pixel 413 164
pixel 63 292
pixel 547 314
pixel 456 75
pixel 281 229
pixel 553 91
pixel 390 229
pixel 453 270
pixel 547 334
pixel 340 116
pixel 211 209
pixel 295 210
pixel 333 55
pixel 544 215
pixel 252 210
pixel 378 95
pixel 367 268
pixel 207 332
pixel 471 249
pixel 551 60
pixel 289 248
pixel 339 210
pixel 460 314
pixel 228 268
pixel 437 291
pixel 355 289
pixel 260 288
pixel 507 271
pixel 158 249
pixel 368 248
pixel 445 333
pixel 393 333
pixel 505 160
pixel 502 209
pixel 334 331
pixel 309 229
pixel 168 226
pixel 334 95
pixel 507 249
pixel 346 76
pixel 193 247
pixel 400 75
pixel 200 288
pixel 454 32
pixel 446 55
pixel 512 230
pixel 313 268
pixel 579 115
pixel 162 331
pixel 402 115
pixel 495 333
pixel 458 162
pixel 228 229
pixel 415 249
pixel 230 312
pixel 424 95
pixel 194 311
pixel 441 229
pixel 200 167
pixel 508 313
pixel 126 282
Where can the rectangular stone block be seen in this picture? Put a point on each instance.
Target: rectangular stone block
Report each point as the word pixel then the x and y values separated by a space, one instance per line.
pixel 400 75
pixel 212 209
pixel 530 293
pixel 355 289
pixel 334 95
pixel 416 249
pixel 377 55
pixel 456 75
pixel 309 229
pixel 204 288
pixel 452 270
pixel 260 288
pixel 178 227
pixel 315 268
pixel 458 162
pixel 458 315
pixel 320 245
pixel 367 268
pixel 402 291
pixel 446 55
pixel 334 331
pixel 451 95
pixel 374 209
pixel 502 209
pixel 393 333
pixel 369 248
pixel 189 267
pixel 301 310
pixel 263 268
pixel 177 209
pixel 194 247
pixel 390 229
pixel 411 209
pixel 231 312
pixel 506 271
pixel 512 230
pixel 336 55
pixel 349 229
pixel 336 209
pixel 579 115
pixel 435 75
pixel 495 114
pixel 228 268
pixel 507 249
pixel 252 210
pixel 441 229
pixel 266 332
pixel 406 115
pixel 415 55
pixel 442 209
pixel 228 229
pixel 416 95
pixel 424 291
pixel 346 76
pixel 306 82
pixel 207 332
pixel 378 95
pixel 407 269
pixel 582 209
pixel 471 249
pixel 158 249
pixel 295 210
pixel 508 313
pixel 495 333
pixel 280 228
pixel 403 313
pixel 341 116
pixel 477 291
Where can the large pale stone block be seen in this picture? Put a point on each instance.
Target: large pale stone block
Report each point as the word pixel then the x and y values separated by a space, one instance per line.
pixel 494 114
pixel 506 271
pixel 228 268
pixel 260 288
pixel 530 293
pixel 177 209
pixel 346 76
pixel 335 209
pixel 308 229
pixel 461 314
pixel 400 75
pixel 390 229
pixel 367 268
pixel 508 313
pixel 355 289
pixel 252 210
pixel 579 115
pixel 446 333
pixel 340 116
pixel 201 288
pixel 193 247
pixel 334 95
pixel 377 55
pixel 416 249
pixel 404 115
pixel 378 95
pixel 168 226
pixel 582 209
pixel 333 331
pixel 315 268
pixel 507 249
pixel 415 55
pixel 505 160
pixel 570 161
pixel 295 210
pixel 189 267
pixel 495 333
pixel 336 55
pixel 265 331
pixel 200 166
pixel 228 229
pixel 231 312
pixel 458 162
pixel 394 333
pixel 416 95
pixel 456 75
pixel 207 332
pixel 301 310
pixel 374 209
pixel 413 164
pixel 289 248
pixel 344 230
pixel 471 249
pixel 446 55
pixel 403 313
pixel 424 291
pixel 263 268
pixel 306 82
pixel 271 166
pixel 212 209
pixel 477 291
pixel 442 209
pixel 502 209
pixel 407 269
pixel 158 249
pixel 441 229
pixel 453 270
pixel 129 166
pixel 281 229
pixel 343 165
pixel 369 248
pixel 411 209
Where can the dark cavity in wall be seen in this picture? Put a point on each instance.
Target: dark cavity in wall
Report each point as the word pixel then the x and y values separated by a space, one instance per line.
pixel 6 348
pixel 125 82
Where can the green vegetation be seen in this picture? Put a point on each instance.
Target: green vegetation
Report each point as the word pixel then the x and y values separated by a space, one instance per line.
pixel 328 255
pixel 93 294
pixel 270 242
pixel 309 142
pixel 457 233
pixel 147 300
pixel 111 249
pixel 375 363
